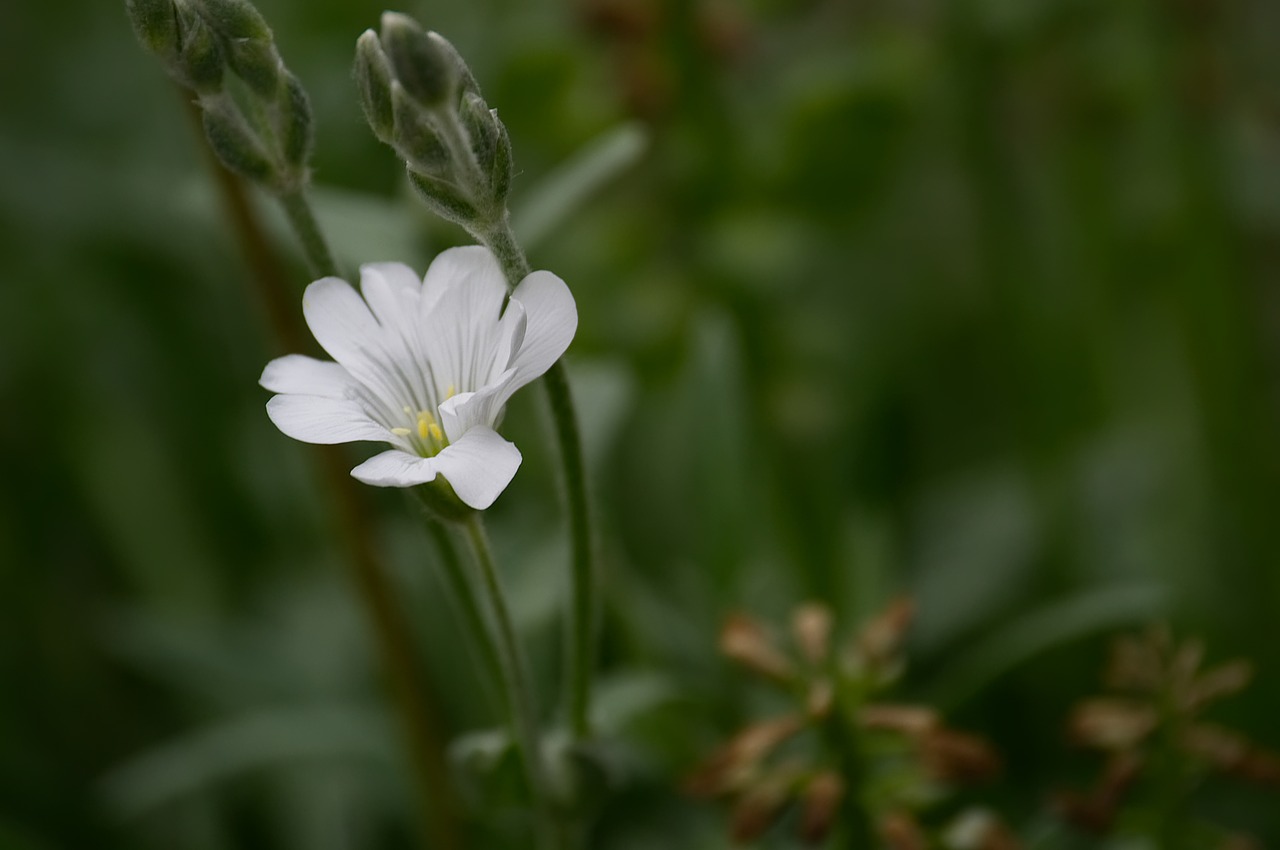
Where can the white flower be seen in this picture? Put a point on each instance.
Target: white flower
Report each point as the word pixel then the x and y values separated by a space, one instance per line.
pixel 425 365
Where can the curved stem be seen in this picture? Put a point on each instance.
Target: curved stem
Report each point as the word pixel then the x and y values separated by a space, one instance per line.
pixel 515 680
pixel 582 619
pixel 303 219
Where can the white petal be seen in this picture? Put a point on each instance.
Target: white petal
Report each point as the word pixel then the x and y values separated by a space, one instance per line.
pixel 551 317
pixel 464 411
pixel 471 266
pixel 396 469
pixel 344 327
pixel 313 419
pixel 392 290
pixel 460 328
pixel 479 466
pixel 301 375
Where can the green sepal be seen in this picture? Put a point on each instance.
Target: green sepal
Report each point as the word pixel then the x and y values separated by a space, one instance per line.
pixel 199 64
pixel 441 502
pixel 373 79
pixel 236 19
pixel 414 138
pixel 295 125
pixel 235 143
pixel 155 22
pixel 482 135
pixel 257 63
pixel 503 168
pixel 446 200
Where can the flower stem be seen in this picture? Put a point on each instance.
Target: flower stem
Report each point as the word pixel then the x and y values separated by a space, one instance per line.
pixel 515 681
pixel 303 219
pixel 582 619
pixel 464 591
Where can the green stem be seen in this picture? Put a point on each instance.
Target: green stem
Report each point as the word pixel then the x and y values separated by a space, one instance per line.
pixel 515 681
pixel 298 209
pixel 464 591
pixel 582 618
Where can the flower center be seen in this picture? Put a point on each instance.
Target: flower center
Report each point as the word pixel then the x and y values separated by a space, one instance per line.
pixel 424 434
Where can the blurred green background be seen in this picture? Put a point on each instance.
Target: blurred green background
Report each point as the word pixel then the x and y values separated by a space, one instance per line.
pixel 973 300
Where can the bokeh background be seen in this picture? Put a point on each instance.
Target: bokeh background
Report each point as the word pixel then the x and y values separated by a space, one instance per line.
pixel 975 301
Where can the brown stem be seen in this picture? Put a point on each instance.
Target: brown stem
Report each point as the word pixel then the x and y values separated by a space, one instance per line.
pixel 418 711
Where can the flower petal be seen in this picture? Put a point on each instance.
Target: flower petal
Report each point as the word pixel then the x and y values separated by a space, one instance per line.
pixel 551 318
pixel 479 466
pixel 464 411
pixel 392 290
pixel 301 375
pixel 313 419
pixel 396 469
pixel 460 327
pixel 378 358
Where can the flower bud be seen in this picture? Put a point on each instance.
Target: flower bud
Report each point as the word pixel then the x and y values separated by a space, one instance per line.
pixel 427 73
pixel 414 137
pixel 156 25
pixel 479 123
pixel 235 19
pixel 503 168
pixel 257 63
pixel 235 143
pixel 465 78
pixel 295 124
pixel 373 79
pixel 444 198
pixel 198 64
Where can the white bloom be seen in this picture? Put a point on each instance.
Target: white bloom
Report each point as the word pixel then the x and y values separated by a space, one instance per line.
pixel 425 365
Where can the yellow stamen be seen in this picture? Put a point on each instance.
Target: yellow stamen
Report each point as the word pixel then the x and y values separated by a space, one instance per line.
pixel 450 393
pixel 436 433
pixel 427 425
pixel 400 432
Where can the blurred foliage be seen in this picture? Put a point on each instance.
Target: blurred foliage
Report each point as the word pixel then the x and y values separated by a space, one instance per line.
pixel 972 300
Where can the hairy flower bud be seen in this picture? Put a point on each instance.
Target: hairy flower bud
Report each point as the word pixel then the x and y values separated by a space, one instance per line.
pixel 257 63
pixel 156 25
pixel 414 137
pixel 427 73
pixel 235 19
pixel 479 123
pixel 373 79
pixel 444 198
pixel 295 124
pixel 236 145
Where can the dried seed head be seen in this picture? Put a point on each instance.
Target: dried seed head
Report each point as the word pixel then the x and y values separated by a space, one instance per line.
pixel 979 829
pixel 1111 724
pixel 911 720
pixel 1222 681
pixel 746 641
pixel 758 810
pixel 880 639
pixel 811 626
pixel 899 831
pixel 820 804
pixel 955 757
pixel 820 699
pixel 738 762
